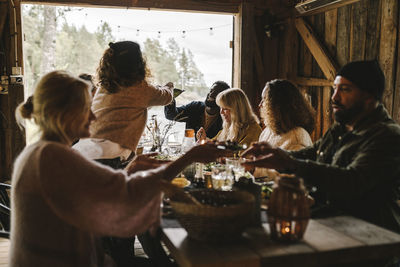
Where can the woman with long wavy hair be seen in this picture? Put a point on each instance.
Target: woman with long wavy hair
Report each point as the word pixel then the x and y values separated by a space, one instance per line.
pixel 288 118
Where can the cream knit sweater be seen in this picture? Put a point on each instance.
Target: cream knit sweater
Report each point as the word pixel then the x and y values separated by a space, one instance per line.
pixel 61 202
pixel 295 139
pixel 121 117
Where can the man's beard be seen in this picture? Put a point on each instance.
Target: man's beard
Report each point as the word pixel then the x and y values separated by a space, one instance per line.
pixel 211 104
pixel 345 116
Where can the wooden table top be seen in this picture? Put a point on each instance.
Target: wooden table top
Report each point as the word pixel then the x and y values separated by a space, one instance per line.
pixel 334 240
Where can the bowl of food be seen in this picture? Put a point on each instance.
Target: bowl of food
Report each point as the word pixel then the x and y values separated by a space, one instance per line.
pixel 221 217
pixel 180 182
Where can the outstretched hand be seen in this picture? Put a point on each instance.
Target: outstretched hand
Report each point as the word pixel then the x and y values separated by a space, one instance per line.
pixel 257 149
pixel 265 156
pixel 169 84
pixel 207 152
pixel 201 134
pixel 144 162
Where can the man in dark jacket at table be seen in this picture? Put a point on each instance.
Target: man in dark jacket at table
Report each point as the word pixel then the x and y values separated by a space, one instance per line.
pixel 199 114
pixel 355 166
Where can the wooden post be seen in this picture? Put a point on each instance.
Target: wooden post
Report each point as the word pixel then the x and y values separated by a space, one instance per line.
pixel 13 140
pixel 396 105
pixel 244 50
pixel 387 49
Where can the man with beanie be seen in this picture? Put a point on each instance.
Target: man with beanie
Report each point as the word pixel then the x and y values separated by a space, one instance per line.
pixel 355 167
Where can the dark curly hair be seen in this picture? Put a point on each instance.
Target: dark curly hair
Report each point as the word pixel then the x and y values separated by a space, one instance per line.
pixel 285 108
pixel 122 65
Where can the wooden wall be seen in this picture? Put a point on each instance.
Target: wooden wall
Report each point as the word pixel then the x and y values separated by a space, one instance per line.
pixel 367 29
pixel 12 139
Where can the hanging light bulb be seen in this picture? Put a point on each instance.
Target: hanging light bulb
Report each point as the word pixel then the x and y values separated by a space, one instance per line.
pixel 183 34
pixel 137 32
pixel 159 34
pixel 211 31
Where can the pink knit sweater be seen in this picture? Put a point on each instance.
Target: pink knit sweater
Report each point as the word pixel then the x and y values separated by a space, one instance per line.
pixel 122 116
pixel 61 203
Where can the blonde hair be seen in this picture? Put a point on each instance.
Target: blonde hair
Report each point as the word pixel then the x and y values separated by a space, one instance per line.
pixel 242 115
pixel 58 99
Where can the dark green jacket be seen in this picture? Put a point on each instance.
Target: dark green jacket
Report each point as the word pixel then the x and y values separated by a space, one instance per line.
pixel 359 171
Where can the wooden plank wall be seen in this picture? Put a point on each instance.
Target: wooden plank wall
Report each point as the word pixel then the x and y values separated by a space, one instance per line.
pixel 12 139
pixel 367 29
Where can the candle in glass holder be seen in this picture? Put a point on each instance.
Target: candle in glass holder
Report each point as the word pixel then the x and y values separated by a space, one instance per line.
pixel 288 209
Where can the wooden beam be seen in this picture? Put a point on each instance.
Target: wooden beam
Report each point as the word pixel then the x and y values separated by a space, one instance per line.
pixel 305 81
pixel 258 61
pixel 328 67
pixel 323 8
pixel 387 49
pixel 226 6
pixel 396 98
pixel 247 51
pixel 3 16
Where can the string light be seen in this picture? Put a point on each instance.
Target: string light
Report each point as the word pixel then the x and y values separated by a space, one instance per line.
pixel 183 33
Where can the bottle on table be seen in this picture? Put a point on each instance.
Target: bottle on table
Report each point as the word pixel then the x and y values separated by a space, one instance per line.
pixel 188 140
pixel 187 143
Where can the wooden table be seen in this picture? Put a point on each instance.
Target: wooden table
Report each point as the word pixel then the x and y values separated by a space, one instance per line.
pixel 334 241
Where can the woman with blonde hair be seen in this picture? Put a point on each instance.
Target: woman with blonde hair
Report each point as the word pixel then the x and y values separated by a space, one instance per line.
pixel 61 201
pixel 240 124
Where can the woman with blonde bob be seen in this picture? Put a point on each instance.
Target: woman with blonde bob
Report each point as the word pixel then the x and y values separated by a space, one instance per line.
pixel 240 124
pixel 61 201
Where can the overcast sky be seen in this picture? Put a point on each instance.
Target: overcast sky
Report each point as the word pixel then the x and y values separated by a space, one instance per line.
pixel 211 51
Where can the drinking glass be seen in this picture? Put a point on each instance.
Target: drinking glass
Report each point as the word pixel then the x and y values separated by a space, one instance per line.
pixel 234 164
pixel 222 178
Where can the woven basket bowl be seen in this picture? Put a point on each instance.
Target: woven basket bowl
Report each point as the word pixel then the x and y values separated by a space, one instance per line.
pixel 223 218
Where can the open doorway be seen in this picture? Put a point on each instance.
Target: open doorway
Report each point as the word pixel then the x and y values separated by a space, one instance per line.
pixel 190 49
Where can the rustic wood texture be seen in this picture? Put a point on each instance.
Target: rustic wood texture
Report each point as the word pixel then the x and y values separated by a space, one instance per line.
pixel 259 65
pixel 343 36
pixel 387 48
pixel 373 29
pixel 12 139
pixel 3 16
pixel 331 241
pixel 218 6
pixel 319 31
pixel 319 52
pixel 396 102
pixel 359 30
pixel 330 32
pixel 304 81
pixel 247 50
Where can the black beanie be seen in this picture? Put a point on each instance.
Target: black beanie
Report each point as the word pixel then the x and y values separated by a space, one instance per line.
pixel 366 75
